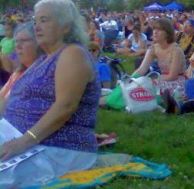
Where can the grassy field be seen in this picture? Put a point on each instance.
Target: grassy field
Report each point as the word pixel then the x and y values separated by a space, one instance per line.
pixel 154 136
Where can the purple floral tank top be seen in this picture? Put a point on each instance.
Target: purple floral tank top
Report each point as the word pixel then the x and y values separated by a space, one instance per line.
pixel 34 93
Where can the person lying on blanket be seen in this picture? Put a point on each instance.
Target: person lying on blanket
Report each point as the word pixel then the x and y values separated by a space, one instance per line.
pixel 54 103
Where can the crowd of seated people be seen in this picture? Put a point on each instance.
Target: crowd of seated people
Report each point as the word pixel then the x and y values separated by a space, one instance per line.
pixel 132 32
pixel 63 101
pixel 144 32
pixel 185 38
pixel 53 104
pixel 135 44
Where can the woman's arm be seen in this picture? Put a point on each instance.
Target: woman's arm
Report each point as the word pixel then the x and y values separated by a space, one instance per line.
pixel 141 51
pixel 6 64
pixel 176 66
pixel 148 59
pixel 5 90
pixel 143 44
pixel 2 104
pixel 71 77
pixel 125 47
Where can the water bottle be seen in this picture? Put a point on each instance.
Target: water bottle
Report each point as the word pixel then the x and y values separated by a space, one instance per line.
pixel 178 94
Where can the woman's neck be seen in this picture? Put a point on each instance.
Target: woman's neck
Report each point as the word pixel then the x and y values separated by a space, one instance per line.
pixel 137 37
pixel 164 44
pixel 49 50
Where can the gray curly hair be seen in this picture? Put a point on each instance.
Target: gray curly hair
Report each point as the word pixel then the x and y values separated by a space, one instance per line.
pixel 28 27
pixel 67 14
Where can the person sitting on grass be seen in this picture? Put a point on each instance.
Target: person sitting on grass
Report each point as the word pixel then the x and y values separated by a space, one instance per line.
pixel 103 69
pixel 7 46
pixel 135 44
pixel 94 32
pixel 178 103
pixel 110 30
pixel 54 104
pixel 171 61
pixel 186 39
pixel 128 26
pixel 168 54
pixel 27 52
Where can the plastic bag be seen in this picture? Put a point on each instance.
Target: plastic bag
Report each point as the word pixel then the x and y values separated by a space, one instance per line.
pixel 115 99
pixel 139 94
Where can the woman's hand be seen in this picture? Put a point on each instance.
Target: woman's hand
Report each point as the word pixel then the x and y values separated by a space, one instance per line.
pixel 12 148
pixel 123 51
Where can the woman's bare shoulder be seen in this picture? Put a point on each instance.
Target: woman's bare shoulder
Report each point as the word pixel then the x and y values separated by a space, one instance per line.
pixel 75 53
pixel 73 48
pixel 177 48
pixel 74 56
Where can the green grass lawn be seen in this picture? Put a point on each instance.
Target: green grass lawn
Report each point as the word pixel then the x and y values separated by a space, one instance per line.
pixel 154 136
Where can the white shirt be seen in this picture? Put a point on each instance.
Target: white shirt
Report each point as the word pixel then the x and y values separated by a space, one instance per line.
pixel 109 25
pixel 135 45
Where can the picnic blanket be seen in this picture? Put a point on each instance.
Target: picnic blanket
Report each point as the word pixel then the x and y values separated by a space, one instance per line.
pixel 106 169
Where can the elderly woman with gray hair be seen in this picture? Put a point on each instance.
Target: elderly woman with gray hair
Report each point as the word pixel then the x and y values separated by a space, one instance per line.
pixel 54 103
pixel 26 51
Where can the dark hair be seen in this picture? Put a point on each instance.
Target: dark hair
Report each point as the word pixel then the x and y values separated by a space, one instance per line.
pixel 166 25
pixel 137 27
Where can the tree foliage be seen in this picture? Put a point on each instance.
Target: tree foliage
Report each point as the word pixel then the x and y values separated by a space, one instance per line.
pixel 117 5
pixel 15 3
pixel 85 4
pixel 188 4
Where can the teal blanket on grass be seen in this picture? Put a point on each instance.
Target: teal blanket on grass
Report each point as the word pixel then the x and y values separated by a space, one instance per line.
pixel 108 167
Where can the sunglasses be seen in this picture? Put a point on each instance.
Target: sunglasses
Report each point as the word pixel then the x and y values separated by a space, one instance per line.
pixel 22 41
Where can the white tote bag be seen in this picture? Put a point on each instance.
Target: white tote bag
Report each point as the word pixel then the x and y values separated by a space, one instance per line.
pixel 139 94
